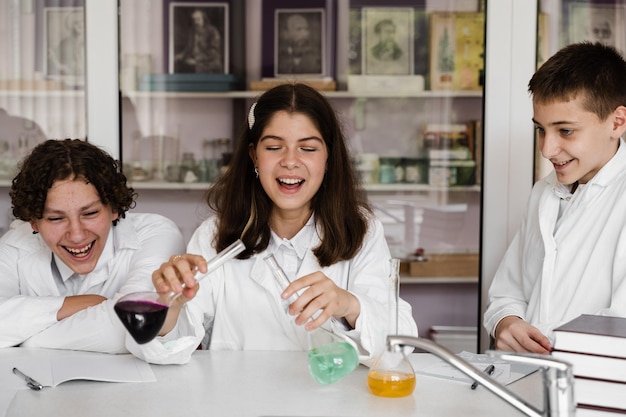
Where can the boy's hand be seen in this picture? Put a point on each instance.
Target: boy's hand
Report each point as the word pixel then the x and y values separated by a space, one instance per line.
pixel 514 334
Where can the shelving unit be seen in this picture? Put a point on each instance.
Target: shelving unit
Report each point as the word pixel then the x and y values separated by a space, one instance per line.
pixel 366 115
pixel 183 201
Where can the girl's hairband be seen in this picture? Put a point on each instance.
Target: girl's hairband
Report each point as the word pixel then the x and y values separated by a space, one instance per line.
pixel 251 116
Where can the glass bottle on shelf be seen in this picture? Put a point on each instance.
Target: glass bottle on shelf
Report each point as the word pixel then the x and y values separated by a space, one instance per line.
pixel 392 374
pixel 188 168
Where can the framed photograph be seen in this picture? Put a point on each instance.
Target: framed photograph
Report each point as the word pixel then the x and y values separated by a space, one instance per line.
pixel 387 41
pixel 60 45
pixel 598 21
pixel 298 38
pixel 358 34
pixel 197 37
pixel 299 42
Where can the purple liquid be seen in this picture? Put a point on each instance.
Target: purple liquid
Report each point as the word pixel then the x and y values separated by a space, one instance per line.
pixel 142 319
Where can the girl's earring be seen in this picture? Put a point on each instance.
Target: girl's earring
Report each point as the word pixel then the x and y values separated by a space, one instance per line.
pixel 256 172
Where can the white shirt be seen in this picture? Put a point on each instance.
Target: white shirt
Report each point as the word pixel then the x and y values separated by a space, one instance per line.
pixel 30 297
pixel 558 267
pixel 241 308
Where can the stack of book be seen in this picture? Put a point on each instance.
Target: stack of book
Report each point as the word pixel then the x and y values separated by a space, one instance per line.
pixel 596 347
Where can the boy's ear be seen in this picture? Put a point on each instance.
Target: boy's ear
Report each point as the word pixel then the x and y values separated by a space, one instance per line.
pixel 619 120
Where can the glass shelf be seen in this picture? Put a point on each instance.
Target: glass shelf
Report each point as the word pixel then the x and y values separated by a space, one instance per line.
pixel 45 94
pixel 331 94
pixel 162 185
pixel 407 280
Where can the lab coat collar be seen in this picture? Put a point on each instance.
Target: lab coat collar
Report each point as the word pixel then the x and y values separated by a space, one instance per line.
pixel 613 169
pixel 301 242
pixel 305 239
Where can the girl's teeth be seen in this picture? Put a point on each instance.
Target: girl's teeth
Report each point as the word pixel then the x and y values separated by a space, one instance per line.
pixel 289 181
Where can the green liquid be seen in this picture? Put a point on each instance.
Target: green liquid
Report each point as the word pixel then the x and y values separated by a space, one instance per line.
pixel 330 363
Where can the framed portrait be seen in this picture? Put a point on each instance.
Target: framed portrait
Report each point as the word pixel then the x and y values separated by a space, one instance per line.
pixel 598 21
pixel 387 41
pixel 298 38
pixel 197 37
pixel 299 43
pixel 60 46
pixel 362 31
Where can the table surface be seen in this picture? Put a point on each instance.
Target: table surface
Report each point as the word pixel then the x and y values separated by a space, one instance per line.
pixel 262 384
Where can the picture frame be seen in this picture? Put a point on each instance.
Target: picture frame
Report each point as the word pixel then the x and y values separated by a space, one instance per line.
pixel 299 42
pixel 457 51
pixel 543 38
pixel 598 21
pixel 310 58
pixel 387 45
pixel 60 40
pixel 197 36
pixel 356 33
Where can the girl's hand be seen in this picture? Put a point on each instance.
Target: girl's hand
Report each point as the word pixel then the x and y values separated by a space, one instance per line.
pixel 178 270
pixel 321 294
pixel 170 277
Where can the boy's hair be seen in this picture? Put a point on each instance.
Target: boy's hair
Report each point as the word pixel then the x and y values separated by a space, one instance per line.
pixel 57 160
pixel 595 71
pixel 340 205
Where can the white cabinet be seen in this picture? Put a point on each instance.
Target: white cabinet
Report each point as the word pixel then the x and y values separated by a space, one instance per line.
pixel 383 121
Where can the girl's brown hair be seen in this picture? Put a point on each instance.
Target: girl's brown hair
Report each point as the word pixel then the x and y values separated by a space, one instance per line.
pixel 340 205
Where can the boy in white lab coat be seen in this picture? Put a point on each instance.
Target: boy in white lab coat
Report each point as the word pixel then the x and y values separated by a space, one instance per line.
pixel 290 191
pixel 569 256
pixel 74 249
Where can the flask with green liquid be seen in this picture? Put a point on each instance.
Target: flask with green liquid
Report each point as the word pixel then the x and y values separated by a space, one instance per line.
pixel 331 356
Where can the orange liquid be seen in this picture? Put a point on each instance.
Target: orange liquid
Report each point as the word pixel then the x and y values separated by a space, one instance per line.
pixel 390 383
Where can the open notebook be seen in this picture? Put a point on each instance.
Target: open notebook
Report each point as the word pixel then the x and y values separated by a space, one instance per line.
pixel 51 368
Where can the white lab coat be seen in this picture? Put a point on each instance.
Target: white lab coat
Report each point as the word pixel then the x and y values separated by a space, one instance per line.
pixel 30 299
pixel 554 271
pixel 241 303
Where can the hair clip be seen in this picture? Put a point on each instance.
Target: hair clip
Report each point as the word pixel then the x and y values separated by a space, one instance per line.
pixel 251 116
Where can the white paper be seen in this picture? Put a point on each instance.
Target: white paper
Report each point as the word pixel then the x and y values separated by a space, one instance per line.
pixel 101 367
pixel 505 372
pixel 6 396
pixel 52 370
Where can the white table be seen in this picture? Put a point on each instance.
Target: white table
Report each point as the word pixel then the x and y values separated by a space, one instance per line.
pixel 260 384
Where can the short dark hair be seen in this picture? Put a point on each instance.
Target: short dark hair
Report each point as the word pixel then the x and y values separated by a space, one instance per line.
pixel 340 205
pixel 385 22
pixel 593 70
pixel 55 160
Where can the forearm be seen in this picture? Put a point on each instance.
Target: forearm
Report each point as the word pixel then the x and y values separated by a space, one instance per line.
pixel 25 316
pixel 96 329
pixel 75 303
pixel 352 309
